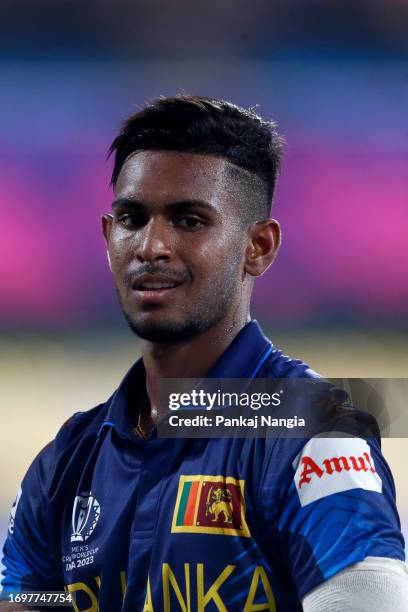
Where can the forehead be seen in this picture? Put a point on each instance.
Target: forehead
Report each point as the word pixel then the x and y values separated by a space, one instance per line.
pixel 162 176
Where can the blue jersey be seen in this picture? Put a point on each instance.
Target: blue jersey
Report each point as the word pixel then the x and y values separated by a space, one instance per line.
pixel 164 524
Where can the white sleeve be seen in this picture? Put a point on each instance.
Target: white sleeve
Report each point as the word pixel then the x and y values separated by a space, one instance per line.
pixel 376 583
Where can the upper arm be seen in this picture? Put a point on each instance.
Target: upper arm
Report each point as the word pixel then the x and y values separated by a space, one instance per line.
pixel 29 555
pixel 336 507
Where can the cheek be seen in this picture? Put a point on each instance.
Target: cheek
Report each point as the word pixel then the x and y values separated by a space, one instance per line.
pixel 226 253
pixel 121 247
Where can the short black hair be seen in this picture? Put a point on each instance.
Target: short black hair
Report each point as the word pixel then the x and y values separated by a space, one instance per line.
pixel 195 124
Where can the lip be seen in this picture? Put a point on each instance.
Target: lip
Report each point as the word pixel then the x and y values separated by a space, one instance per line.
pixel 154 287
pixel 153 295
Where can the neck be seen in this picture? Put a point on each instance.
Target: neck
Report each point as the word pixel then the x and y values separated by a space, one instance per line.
pixel 191 358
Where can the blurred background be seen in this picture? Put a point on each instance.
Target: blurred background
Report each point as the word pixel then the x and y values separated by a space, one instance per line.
pixel 335 78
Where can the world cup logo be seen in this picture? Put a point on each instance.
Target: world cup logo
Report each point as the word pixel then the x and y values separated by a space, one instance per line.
pixel 85 515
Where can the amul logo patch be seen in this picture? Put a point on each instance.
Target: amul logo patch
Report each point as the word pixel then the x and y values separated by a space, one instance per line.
pixel 210 504
pixel 332 465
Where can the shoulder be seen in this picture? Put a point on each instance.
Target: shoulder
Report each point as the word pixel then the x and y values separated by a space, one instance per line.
pixel 30 550
pixel 279 365
pixel 73 441
pixel 82 425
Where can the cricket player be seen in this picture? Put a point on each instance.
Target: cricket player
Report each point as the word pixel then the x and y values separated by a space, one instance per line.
pixel 121 519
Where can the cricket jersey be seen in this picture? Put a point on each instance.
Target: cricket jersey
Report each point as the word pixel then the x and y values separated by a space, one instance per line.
pixel 229 523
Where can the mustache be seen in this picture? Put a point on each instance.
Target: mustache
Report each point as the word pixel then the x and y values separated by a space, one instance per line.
pixel 132 277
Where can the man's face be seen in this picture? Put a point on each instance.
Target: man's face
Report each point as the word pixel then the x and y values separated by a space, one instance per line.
pixel 176 244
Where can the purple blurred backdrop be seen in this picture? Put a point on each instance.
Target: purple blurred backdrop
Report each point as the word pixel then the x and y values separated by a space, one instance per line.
pixel 338 90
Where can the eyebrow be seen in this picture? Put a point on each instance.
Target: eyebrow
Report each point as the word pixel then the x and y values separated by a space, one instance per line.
pixel 125 202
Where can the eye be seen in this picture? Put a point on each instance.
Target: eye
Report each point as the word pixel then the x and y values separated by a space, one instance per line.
pixel 131 221
pixel 190 222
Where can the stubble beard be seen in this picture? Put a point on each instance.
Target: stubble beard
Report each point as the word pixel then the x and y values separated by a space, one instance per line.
pixel 211 309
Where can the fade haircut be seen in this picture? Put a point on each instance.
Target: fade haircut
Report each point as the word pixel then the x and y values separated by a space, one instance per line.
pixel 195 124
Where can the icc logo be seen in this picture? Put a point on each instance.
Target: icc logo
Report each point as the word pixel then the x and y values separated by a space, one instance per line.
pixel 85 515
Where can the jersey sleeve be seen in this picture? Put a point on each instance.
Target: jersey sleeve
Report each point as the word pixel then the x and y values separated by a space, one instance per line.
pixel 337 506
pixel 28 556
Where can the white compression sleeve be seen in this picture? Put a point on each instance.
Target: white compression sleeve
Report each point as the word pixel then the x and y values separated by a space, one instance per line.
pixel 376 583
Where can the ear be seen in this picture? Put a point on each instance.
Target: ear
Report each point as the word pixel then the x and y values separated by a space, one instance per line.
pixel 107 226
pixel 106 230
pixel 264 243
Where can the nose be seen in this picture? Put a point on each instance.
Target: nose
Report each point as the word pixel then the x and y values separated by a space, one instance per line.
pixel 153 242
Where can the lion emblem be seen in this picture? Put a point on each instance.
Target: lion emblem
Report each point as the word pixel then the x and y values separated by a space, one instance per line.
pixel 219 501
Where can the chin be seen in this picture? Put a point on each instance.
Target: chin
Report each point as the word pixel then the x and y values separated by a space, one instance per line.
pixel 161 331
